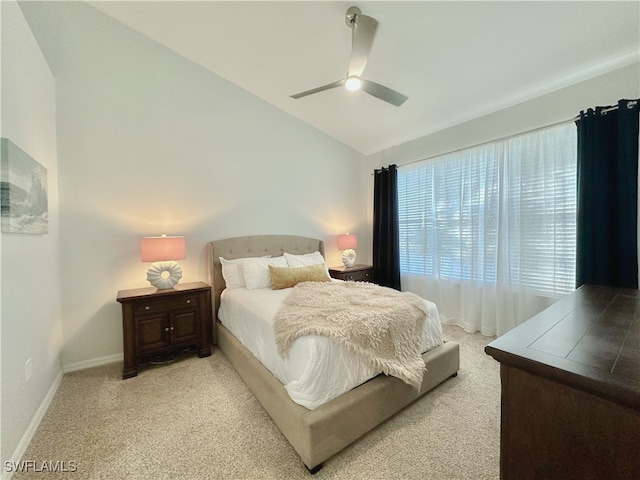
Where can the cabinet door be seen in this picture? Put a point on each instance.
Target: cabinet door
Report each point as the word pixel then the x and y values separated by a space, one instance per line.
pixel 185 327
pixel 153 333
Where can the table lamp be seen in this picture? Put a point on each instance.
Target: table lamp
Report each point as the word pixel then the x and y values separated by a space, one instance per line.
pixel 348 242
pixel 163 251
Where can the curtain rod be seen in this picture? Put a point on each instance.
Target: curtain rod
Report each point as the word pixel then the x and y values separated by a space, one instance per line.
pixel 608 109
pixel 630 104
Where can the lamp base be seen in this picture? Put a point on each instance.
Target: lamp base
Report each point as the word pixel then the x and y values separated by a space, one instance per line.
pixel 349 258
pixel 163 275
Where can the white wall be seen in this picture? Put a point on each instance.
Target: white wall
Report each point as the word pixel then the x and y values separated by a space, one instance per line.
pixel 30 268
pixel 150 142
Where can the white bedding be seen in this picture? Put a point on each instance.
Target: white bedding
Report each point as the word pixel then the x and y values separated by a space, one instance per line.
pixel 317 369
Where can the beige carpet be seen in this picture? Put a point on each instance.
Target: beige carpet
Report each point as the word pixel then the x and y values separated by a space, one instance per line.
pixel 195 419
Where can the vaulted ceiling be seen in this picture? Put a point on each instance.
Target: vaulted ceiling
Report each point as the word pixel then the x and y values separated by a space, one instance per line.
pixel 454 60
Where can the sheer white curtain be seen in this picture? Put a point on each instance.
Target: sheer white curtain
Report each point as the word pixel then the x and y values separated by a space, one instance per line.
pixel 488 233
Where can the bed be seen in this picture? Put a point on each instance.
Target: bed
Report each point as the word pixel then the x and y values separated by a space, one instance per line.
pixel 319 433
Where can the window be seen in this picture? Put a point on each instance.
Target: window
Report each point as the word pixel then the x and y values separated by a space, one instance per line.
pixel 499 213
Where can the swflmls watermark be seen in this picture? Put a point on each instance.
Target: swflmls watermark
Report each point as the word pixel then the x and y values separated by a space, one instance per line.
pixel 45 466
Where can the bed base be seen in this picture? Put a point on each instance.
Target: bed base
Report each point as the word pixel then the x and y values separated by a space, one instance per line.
pixel 318 434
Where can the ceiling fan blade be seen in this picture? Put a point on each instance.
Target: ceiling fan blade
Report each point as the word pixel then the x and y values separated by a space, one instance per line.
pixel 383 93
pixel 363 30
pixel 329 86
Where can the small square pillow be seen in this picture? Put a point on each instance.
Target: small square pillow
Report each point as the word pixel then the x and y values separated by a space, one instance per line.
pixel 302 260
pixel 232 271
pixel 291 276
pixel 256 273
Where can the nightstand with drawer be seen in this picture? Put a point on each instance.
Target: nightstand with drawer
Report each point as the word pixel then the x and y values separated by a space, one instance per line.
pixel 157 322
pixel 357 273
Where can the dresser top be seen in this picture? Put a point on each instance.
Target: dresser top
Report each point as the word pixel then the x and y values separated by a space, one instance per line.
pixel 589 340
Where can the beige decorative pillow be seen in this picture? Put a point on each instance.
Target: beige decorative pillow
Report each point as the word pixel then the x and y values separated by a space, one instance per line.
pixel 285 277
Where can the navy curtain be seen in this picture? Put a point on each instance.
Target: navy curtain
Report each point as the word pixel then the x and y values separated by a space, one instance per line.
pixel 606 248
pixel 386 249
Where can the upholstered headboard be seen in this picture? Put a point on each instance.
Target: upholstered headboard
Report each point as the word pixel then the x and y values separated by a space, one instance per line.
pixel 251 246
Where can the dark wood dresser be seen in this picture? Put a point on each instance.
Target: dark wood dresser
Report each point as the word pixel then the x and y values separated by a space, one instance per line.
pixel 571 389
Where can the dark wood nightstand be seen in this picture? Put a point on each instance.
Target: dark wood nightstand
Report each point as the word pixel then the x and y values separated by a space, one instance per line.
pixel 162 321
pixel 357 273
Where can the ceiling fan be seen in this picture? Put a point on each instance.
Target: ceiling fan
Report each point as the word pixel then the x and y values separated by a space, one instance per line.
pixel 363 29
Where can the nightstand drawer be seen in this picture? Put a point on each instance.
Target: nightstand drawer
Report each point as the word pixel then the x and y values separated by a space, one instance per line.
pixel 357 273
pixel 165 304
pixel 363 276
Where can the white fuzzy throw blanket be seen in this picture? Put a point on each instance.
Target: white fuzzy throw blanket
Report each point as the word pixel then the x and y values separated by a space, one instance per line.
pixel 381 326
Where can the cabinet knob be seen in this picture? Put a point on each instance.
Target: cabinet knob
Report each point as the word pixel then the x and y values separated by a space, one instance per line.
pixel 166 329
pixel 189 301
pixel 147 307
pixel 171 328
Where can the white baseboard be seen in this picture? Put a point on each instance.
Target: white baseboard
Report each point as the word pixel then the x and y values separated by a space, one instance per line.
pixel 96 362
pixel 33 426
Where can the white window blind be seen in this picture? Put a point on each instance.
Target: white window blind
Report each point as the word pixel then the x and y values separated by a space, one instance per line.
pixel 499 213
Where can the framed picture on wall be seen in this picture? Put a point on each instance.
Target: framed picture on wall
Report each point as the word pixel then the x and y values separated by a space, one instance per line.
pixel 23 191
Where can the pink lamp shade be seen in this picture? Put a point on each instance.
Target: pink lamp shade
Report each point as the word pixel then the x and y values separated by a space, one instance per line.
pixel 347 241
pixel 163 251
pixel 159 249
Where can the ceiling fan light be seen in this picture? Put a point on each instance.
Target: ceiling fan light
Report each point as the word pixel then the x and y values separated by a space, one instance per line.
pixel 353 83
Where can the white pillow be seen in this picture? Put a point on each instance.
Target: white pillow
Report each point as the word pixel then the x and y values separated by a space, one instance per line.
pixel 256 274
pixel 232 271
pixel 314 258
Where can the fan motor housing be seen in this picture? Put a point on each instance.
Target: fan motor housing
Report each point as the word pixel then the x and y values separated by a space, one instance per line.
pixel 352 13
